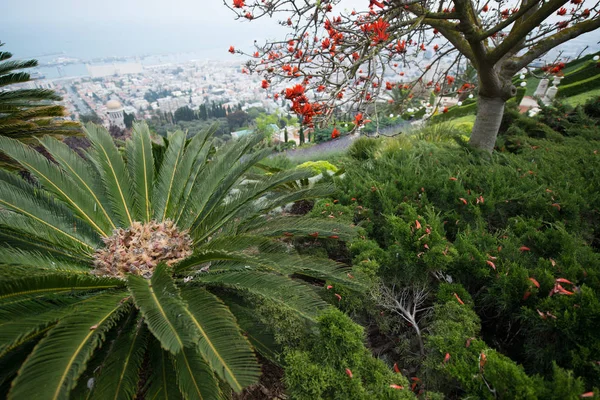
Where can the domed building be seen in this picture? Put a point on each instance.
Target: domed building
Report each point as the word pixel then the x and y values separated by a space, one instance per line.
pixel 114 110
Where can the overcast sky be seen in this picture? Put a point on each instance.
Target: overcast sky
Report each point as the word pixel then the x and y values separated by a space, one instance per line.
pixel 86 28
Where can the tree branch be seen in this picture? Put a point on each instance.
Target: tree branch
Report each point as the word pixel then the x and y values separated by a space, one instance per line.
pixel 554 40
pixel 517 35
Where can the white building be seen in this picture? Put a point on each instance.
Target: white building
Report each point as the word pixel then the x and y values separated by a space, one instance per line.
pixel 114 109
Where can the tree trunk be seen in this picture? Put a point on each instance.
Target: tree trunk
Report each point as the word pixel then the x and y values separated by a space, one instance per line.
pixel 489 116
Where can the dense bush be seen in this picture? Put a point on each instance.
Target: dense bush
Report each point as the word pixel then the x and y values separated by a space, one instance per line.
pixel 336 365
pixel 439 212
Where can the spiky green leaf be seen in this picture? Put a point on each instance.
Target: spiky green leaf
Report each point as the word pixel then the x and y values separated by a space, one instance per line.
pixel 163 309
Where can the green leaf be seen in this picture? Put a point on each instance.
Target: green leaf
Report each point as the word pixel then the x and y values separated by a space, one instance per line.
pixel 16 294
pixel 168 184
pixel 162 382
pixel 53 179
pixel 84 175
pixel 140 161
pixel 279 289
pixel 58 220
pixel 163 309
pixel 194 377
pixel 221 343
pixel 119 375
pixel 52 368
pixel 112 169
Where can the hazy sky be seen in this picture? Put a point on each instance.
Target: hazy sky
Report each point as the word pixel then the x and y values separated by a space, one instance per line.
pixel 85 28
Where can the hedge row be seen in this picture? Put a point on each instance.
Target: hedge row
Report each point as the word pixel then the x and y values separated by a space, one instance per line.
pixel 579 87
pixel 456 112
pixel 588 70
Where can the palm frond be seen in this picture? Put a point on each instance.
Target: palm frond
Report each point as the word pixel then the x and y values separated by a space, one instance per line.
pixel 162 382
pixel 17 294
pixel 61 356
pixel 215 215
pixel 164 310
pixel 195 379
pixel 84 175
pixel 119 373
pixel 221 344
pixel 114 174
pixel 167 184
pixel 261 338
pixel 29 95
pixel 298 226
pixel 62 224
pixel 199 164
pixel 9 66
pixel 277 288
pixel 13 257
pixel 214 175
pixel 140 161
pixel 19 330
pixel 53 179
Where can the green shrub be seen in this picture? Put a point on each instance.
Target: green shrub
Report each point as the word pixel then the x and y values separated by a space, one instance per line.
pixel 490 224
pixel 455 112
pixel 318 369
pixel 587 70
pixel 579 87
pixel 363 148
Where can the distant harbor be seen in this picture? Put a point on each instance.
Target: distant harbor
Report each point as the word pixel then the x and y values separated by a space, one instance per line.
pixel 58 66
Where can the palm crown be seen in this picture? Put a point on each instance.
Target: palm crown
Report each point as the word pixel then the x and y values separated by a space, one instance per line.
pixel 121 259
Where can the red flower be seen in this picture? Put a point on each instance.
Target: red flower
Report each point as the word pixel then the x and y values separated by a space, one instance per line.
pixel 326 43
pixel 561 11
pixel 445 110
pixel 585 13
pixel 504 13
pixel 401 46
pixel 389 86
pixel 436 47
pixel 450 80
pixel 238 3
pixel 295 92
pixel 231 49
pixel 355 56
pixel 249 15
pixel 423 47
pixel 379 29
pixel 265 84
pixel 321 88
pixel 340 95
pixel 335 134
pixel 485 8
pixel 256 54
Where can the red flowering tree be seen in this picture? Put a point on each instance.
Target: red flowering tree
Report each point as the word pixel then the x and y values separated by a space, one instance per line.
pixel 340 58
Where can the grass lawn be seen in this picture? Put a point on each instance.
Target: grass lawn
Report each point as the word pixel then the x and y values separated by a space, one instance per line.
pixel 582 97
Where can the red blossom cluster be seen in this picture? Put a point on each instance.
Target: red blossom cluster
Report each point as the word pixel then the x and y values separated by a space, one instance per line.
pixel 377 31
pixel 301 105
pixel 554 68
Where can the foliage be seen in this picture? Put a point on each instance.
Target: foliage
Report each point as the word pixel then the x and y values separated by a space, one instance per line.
pixel 65 326
pixel 455 112
pixel 586 70
pixel 29 113
pixel 335 365
pixel 579 87
pixel 489 224
pixel 363 148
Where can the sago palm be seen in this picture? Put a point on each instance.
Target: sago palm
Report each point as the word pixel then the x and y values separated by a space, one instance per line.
pixel 116 270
